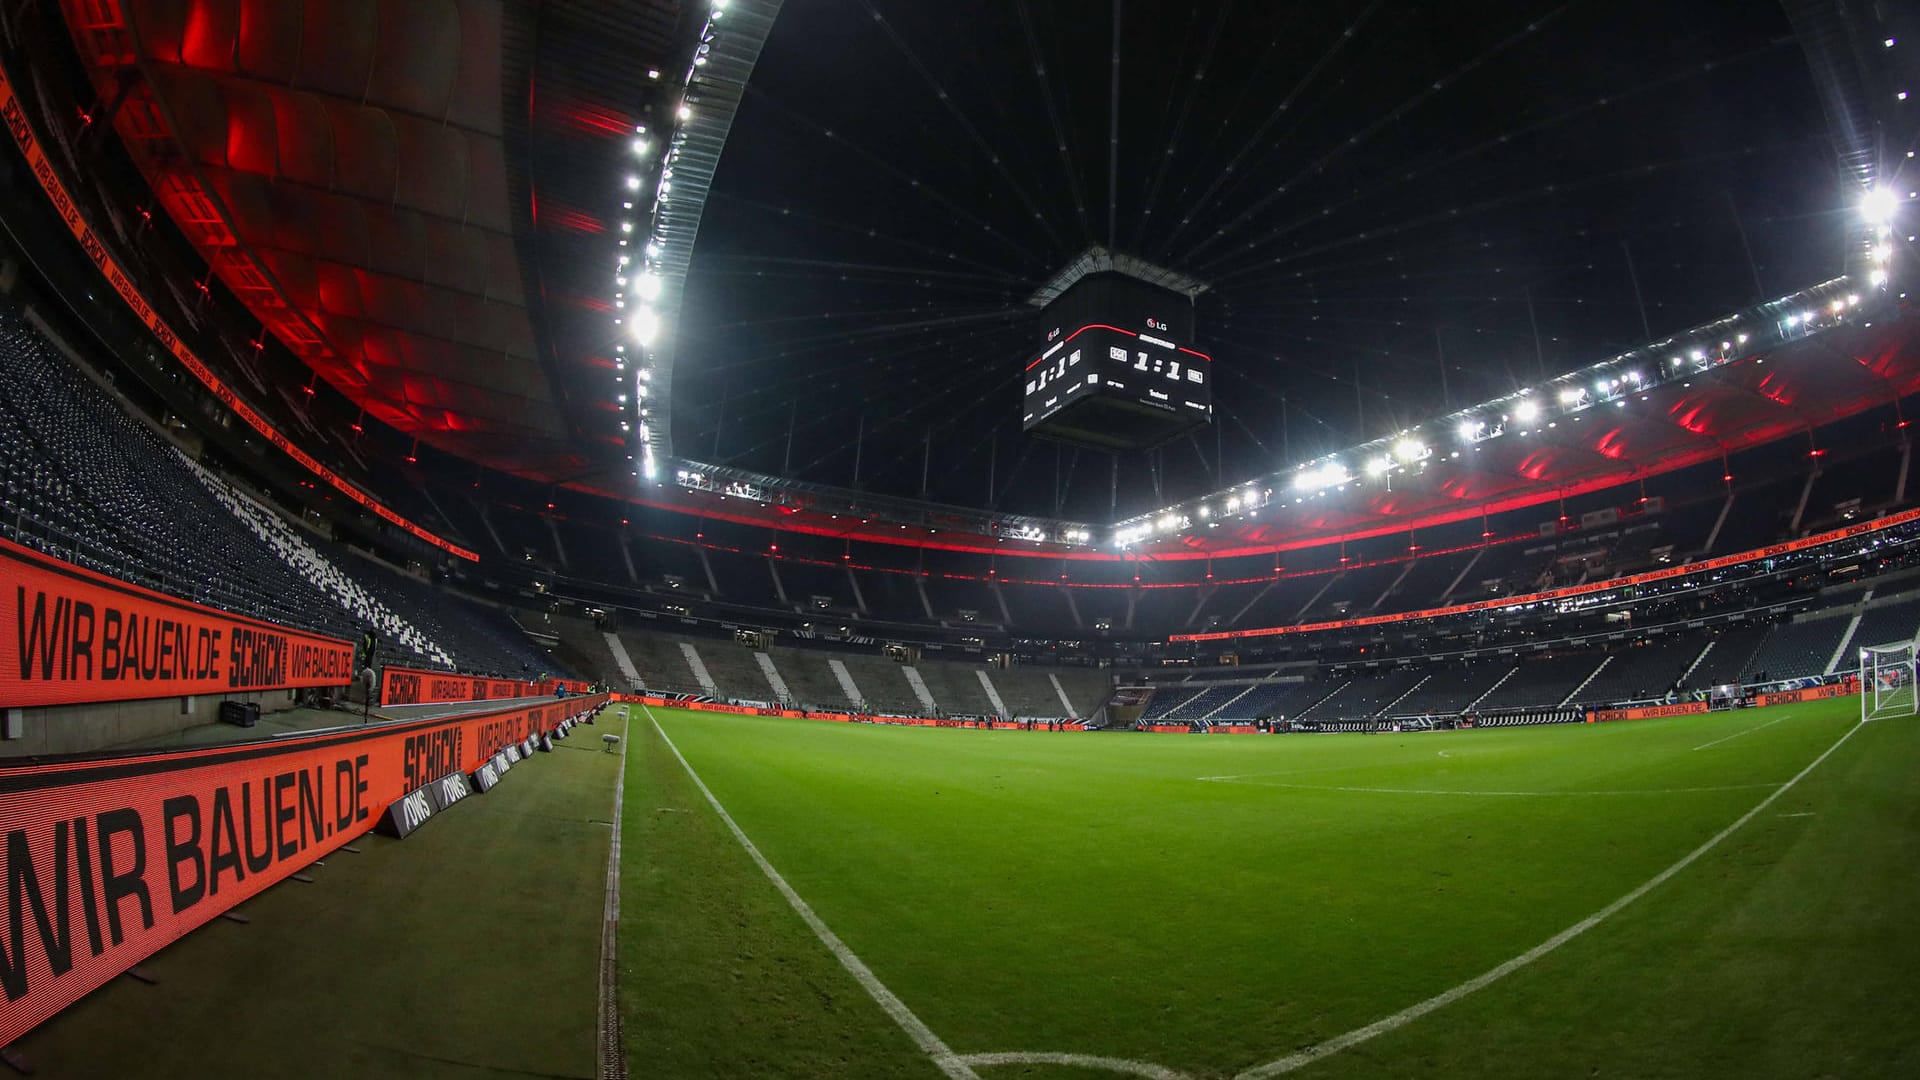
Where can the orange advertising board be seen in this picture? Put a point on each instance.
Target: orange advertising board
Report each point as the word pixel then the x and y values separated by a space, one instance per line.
pixel 69 635
pixel 722 707
pixel 109 859
pixel 1843 688
pixel 420 686
pixel 1646 712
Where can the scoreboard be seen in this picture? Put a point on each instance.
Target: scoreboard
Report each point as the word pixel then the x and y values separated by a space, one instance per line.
pixel 1117 370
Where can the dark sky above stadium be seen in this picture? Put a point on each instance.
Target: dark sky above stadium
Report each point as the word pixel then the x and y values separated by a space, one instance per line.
pixel 1386 199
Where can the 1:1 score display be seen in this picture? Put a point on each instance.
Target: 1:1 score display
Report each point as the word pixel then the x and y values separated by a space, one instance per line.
pixel 1153 364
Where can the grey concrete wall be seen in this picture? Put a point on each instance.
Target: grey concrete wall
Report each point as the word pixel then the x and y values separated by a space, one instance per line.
pixel 74 729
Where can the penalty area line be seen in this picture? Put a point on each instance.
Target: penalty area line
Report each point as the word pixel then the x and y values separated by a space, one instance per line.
pixel 943 1056
pixel 1737 734
pixel 1414 1012
pixel 1125 1066
pixel 1498 794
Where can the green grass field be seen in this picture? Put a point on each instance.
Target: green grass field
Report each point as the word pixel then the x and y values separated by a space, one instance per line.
pixel 1208 905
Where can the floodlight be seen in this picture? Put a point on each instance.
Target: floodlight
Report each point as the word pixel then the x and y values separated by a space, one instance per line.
pixel 1878 205
pixel 645 326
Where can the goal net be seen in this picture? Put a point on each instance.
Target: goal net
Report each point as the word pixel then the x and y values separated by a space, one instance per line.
pixel 1887 685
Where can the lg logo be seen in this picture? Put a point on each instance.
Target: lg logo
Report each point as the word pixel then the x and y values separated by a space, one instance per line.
pixel 1155 324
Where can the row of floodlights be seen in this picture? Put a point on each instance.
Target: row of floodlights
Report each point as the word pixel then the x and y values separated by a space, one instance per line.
pixel 1524 411
pixel 1800 320
pixel 643 285
pixel 1241 503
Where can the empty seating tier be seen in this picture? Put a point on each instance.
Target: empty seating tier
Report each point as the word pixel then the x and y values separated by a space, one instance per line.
pixel 735 671
pixel 1455 685
pixel 1728 658
pixel 1643 672
pixel 1274 700
pixel 810 679
pixel 1372 694
pixel 1209 699
pixel 1542 683
pixel 1797 649
pixel 87 482
pixel 1891 622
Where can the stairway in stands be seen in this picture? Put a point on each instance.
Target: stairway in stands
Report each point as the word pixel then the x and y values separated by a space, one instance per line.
pixel 920 691
pixel 847 685
pixel 699 668
pixel 993 694
pixel 625 661
pixel 774 678
pixel 295 551
pixel 1591 675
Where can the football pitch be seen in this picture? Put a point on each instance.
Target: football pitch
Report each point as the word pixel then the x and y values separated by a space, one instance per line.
pixel 1731 895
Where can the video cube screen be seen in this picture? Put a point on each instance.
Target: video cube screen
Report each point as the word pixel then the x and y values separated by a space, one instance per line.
pixel 1117 369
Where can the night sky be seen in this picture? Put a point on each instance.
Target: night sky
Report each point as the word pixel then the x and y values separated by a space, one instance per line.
pixel 1385 199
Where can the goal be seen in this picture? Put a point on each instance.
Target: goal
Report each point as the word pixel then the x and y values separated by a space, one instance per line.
pixel 1887 685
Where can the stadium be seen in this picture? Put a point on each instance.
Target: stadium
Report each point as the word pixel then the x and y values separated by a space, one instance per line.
pixel 725 538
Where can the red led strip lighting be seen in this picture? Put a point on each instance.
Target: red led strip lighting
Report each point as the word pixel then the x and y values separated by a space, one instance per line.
pixel 42 168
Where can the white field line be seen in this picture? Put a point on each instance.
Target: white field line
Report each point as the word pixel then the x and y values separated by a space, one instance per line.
pixel 1737 734
pixel 1078 1061
pixel 1495 794
pixel 612 1063
pixel 943 1056
pixel 1441 1000
pixel 1343 767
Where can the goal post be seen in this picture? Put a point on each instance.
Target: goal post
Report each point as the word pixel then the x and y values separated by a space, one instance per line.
pixel 1887 681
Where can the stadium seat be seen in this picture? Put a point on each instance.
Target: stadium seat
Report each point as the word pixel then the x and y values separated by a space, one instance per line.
pixel 87 482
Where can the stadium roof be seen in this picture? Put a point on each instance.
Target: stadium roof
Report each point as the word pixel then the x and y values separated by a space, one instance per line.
pixel 1385 202
pixel 1652 411
pixel 417 198
pixel 1398 211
